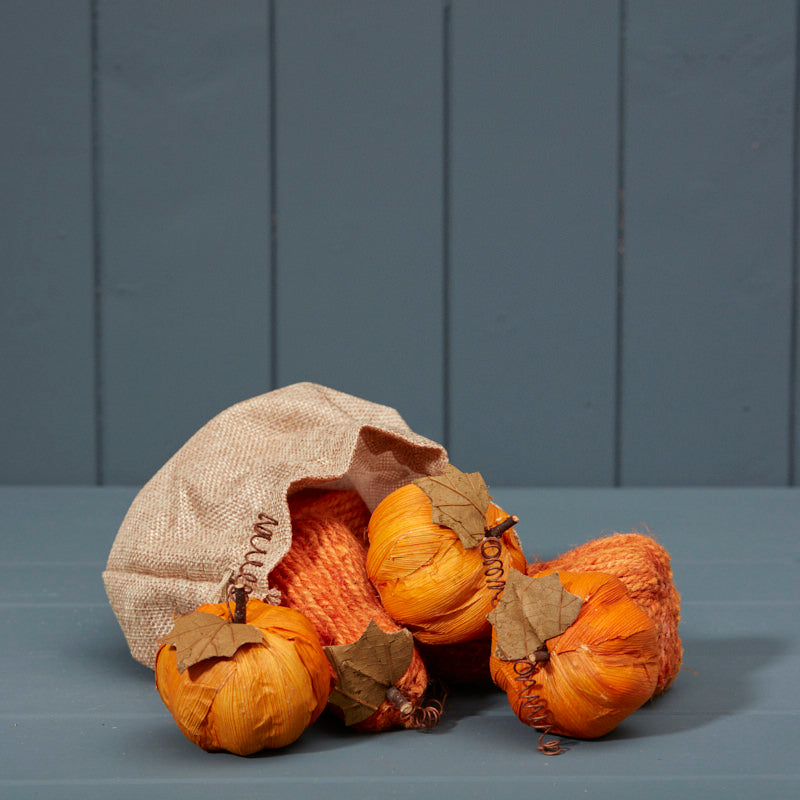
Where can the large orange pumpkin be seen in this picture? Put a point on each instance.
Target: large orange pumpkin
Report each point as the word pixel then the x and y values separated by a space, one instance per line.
pixel 598 671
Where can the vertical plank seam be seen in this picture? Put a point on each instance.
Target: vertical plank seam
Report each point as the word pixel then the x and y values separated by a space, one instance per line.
pixel 620 261
pixel 446 230
pixel 97 244
pixel 273 194
pixel 791 476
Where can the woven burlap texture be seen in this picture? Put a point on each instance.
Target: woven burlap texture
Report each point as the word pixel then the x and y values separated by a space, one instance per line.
pixel 189 529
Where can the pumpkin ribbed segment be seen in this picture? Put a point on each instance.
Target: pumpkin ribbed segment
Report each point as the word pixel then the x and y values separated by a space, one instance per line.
pixel 427 580
pixel 643 565
pixel 264 696
pixel 600 670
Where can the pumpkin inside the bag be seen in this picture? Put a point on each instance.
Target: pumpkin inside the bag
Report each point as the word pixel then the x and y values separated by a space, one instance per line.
pixel 428 579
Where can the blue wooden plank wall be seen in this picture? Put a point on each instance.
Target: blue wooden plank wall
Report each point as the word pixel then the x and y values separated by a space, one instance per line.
pixel 560 238
pixel 47 298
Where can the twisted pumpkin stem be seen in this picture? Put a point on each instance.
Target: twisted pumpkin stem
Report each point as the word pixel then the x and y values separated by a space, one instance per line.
pixel 240 607
pixel 540 655
pixel 498 530
pixel 399 700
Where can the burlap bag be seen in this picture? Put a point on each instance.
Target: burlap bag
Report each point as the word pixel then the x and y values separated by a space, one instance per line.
pixel 189 529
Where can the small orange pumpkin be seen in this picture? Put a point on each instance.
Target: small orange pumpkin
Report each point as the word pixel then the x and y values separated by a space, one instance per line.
pixel 426 578
pixel 263 696
pixel 598 671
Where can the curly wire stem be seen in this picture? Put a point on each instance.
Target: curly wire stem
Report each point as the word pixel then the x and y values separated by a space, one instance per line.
pixel 491 551
pixel 428 716
pixel 263 530
pixel 419 717
pixel 533 705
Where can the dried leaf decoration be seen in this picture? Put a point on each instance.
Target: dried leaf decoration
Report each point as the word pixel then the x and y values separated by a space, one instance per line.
pixel 199 635
pixel 366 668
pixel 459 500
pixel 531 611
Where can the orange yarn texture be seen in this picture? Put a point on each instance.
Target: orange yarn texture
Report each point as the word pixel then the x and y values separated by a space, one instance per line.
pixel 344 505
pixel 644 567
pixel 323 576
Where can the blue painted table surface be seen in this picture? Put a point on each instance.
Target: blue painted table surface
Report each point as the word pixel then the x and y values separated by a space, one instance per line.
pixel 80 719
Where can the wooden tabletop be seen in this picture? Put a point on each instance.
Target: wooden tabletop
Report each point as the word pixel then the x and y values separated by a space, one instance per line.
pixel 79 718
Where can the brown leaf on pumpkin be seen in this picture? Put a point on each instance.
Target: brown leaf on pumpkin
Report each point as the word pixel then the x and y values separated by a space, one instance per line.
pixel 199 635
pixel 459 500
pixel 366 668
pixel 531 611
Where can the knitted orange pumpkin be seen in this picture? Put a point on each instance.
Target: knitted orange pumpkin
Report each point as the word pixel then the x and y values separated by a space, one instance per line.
pixel 643 565
pixel 428 581
pixel 590 677
pixel 323 576
pixel 263 696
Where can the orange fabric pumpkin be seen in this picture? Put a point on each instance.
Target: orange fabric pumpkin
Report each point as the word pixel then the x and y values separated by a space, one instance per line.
pixel 643 565
pixel 427 580
pixel 600 670
pixel 263 696
pixel 323 576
